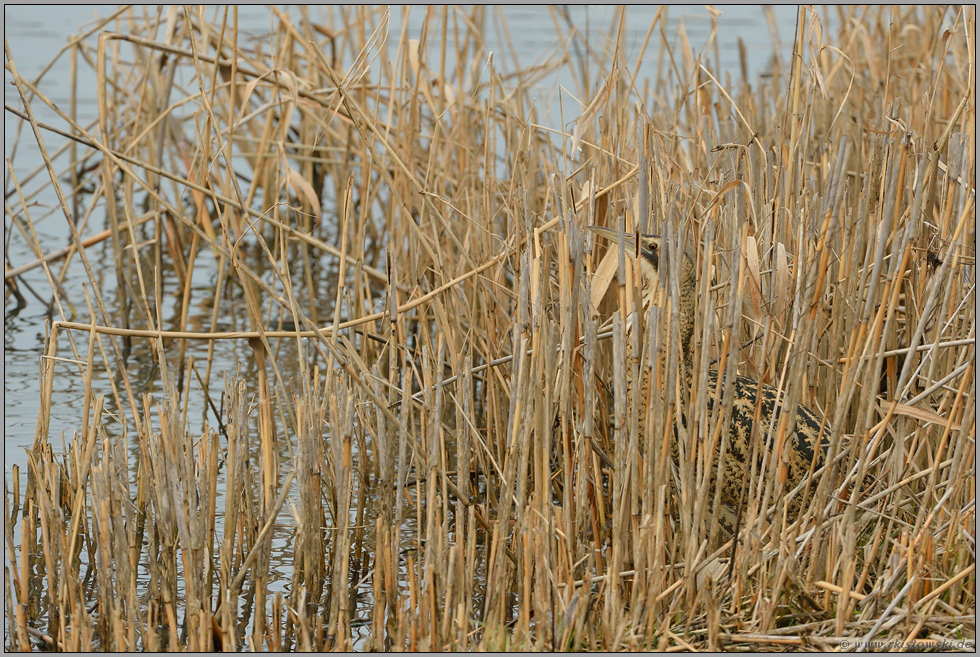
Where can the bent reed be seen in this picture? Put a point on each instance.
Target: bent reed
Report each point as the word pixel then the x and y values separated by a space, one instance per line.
pixel 354 375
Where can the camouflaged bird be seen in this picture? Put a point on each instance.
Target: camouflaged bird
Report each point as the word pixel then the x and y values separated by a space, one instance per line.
pixel 805 444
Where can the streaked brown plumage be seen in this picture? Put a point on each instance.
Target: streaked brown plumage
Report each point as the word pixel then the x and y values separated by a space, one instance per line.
pixel 805 441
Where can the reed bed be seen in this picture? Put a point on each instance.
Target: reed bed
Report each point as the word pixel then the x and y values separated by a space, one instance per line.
pixel 428 442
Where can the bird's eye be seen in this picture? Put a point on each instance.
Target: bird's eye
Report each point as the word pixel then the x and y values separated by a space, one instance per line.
pixel 652 254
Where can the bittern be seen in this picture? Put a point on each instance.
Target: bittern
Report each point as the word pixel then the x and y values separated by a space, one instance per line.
pixel 804 444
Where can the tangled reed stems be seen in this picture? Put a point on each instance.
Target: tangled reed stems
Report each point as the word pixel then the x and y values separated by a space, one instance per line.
pixel 429 442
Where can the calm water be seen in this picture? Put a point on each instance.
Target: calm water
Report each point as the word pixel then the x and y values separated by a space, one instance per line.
pixel 36 34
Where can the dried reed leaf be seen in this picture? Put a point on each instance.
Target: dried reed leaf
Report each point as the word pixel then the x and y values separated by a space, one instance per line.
pixel 414 59
pixel 602 277
pixel 302 187
pixel 923 415
pixel 751 250
pixel 782 281
pixel 583 122
pixel 449 95
pixel 246 96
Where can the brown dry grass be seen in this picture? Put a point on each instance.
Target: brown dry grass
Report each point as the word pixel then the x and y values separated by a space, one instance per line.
pixel 448 433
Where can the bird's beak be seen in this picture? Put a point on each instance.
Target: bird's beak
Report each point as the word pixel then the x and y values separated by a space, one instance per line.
pixel 629 239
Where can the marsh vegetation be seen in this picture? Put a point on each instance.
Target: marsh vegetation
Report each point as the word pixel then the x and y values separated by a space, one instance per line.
pixel 429 442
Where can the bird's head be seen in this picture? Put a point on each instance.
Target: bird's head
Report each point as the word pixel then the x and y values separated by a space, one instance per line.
pixel 638 245
pixel 648 250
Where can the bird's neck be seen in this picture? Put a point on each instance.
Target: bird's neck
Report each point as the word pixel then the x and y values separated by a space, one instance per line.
pixel 686 309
